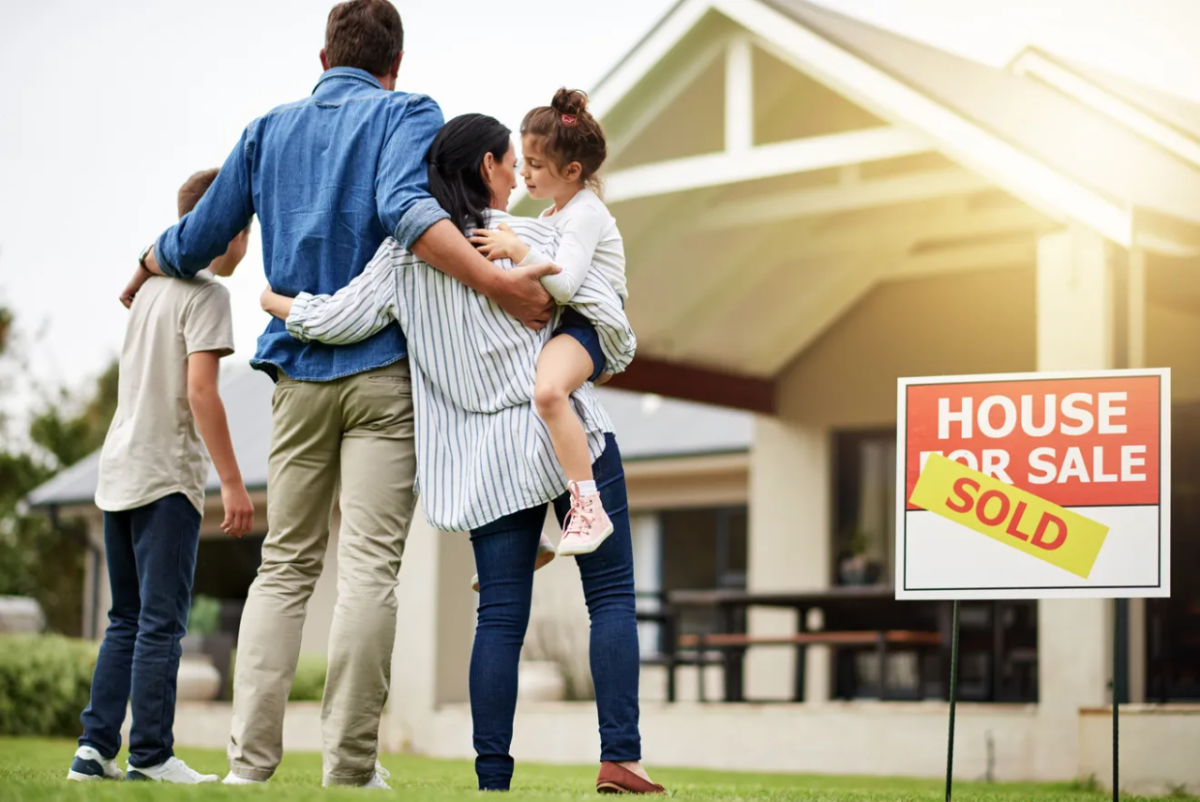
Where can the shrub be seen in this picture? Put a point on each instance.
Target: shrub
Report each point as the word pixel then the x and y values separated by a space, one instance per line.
pixel 45 682
pixel 309 684
pixel 205 616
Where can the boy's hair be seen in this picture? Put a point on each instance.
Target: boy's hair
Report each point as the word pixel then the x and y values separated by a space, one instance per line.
pixel 194 188
pixel 366 34
pixel 569 133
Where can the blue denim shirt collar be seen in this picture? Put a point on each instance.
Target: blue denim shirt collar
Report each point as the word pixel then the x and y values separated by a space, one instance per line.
pixel 347 74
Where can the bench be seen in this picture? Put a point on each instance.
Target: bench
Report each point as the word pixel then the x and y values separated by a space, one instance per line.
pixel 880 640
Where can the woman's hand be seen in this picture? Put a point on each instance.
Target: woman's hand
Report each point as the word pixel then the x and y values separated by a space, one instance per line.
pixel 500 244
pixel 275 304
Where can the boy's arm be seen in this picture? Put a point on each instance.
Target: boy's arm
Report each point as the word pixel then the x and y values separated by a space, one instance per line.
pixel 203 370
pixel 352 314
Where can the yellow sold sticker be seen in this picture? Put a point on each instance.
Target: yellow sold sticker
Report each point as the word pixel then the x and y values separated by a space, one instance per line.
pixel 1013 516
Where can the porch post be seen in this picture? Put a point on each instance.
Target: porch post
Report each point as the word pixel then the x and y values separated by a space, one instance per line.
pixel 97 595
pixel 789 548
pixel 1074 332
pixel 435 622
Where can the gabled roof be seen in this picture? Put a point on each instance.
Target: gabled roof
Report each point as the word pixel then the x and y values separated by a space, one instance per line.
pixel 1067 136
pixel 647 428
pixel 1182 115
pixel 1055 153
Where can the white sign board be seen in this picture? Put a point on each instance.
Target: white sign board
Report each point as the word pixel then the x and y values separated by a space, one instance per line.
pixel 1034 486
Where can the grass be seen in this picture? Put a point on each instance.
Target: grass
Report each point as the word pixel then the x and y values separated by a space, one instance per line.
pixel 34 770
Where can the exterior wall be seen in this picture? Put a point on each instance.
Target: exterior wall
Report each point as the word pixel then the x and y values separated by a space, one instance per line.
pixel 789 547
pixel 1158 748
pixel 864 738
pixel 981 322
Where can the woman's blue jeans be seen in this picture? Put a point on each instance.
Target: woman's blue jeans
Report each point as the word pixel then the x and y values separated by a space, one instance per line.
pixel 504 555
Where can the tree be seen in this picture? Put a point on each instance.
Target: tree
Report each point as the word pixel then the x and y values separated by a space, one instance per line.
pixel 39 557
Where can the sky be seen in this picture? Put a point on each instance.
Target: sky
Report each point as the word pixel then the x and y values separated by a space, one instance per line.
pixel 105 108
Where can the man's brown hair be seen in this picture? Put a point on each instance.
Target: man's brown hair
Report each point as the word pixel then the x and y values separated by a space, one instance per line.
pixel 366 34
pixel 194 188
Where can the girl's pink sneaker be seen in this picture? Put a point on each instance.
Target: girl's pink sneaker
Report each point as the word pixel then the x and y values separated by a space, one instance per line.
pixel 587 525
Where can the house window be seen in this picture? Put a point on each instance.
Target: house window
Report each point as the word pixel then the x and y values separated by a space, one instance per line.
pixel 998 644
pixel 686 549
pixel 865 511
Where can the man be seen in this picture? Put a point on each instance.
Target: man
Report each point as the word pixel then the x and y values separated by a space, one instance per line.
pixel 330 177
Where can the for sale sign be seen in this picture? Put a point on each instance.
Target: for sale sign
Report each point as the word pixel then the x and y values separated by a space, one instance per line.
pixel 1034 485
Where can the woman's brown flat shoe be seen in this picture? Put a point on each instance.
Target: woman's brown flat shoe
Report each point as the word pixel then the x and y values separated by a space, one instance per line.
pixel 616 779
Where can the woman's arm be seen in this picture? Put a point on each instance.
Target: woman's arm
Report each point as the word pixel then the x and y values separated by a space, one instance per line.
pixel 355 312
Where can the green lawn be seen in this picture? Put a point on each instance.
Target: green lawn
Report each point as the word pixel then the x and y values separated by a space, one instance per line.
pixel 34 770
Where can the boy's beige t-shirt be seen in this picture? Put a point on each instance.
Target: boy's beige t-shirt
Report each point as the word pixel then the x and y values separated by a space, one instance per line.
pixel 153 448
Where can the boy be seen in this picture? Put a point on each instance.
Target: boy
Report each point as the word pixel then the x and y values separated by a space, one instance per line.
pixel 153 469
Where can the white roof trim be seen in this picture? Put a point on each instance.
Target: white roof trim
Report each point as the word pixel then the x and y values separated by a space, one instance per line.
pixel 763 161
pixel 1006 165
pixel 1081 88
pixel 1029 179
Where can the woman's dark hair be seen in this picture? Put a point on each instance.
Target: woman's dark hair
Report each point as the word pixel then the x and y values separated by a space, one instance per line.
pixel 455 166
pixel 569 133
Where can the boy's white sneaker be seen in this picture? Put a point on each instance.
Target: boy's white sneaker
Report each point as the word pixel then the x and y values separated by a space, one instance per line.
pixel 233 779
pixel 587 525
pixel 89 765
pixel 545 553
pixel 173 770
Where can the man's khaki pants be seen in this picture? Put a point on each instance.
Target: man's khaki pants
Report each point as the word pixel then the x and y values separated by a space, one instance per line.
pixel 355 434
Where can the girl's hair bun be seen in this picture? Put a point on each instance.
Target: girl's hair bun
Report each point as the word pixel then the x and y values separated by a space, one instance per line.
pixel 571 102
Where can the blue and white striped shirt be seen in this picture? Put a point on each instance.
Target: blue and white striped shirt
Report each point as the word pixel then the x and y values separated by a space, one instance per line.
pixel 482 450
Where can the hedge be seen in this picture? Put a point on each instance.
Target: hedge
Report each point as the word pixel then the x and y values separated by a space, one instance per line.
pixel 45 683
pixel 46 680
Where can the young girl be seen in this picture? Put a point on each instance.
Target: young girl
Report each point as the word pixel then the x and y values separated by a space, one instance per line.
pixel 563 148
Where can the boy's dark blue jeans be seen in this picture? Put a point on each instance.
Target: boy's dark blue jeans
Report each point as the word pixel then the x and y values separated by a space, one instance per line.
pixel 151 554
pixel 504 556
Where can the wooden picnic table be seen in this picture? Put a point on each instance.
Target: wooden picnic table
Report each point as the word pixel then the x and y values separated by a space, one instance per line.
pixel 733 645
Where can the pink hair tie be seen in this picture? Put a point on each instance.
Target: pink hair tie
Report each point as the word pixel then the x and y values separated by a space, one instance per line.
pixel 569 120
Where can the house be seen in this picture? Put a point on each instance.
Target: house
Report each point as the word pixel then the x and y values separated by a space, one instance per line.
pixel 813 207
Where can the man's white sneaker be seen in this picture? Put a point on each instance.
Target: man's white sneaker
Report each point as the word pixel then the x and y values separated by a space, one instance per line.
pixel 173 771
pixel 377 781
pixel 233 779
pixel 89 765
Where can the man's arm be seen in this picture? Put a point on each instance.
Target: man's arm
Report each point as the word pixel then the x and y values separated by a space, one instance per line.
pixel 203 369
pixel 352 314
pixel 518 292
pixel 420 225
pixel 204 233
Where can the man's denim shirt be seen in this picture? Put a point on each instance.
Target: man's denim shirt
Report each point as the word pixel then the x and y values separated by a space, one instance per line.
pixel 330 177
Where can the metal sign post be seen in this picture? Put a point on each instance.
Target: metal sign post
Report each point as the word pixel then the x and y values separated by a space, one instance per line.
pixel 953 700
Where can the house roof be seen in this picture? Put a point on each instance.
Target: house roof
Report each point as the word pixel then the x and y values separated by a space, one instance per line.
pixel 1182 114
pixel 1047 148
pixel 1075 140
pixel 648 427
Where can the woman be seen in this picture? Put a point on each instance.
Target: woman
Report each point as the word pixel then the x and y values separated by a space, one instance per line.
pixel 485 460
